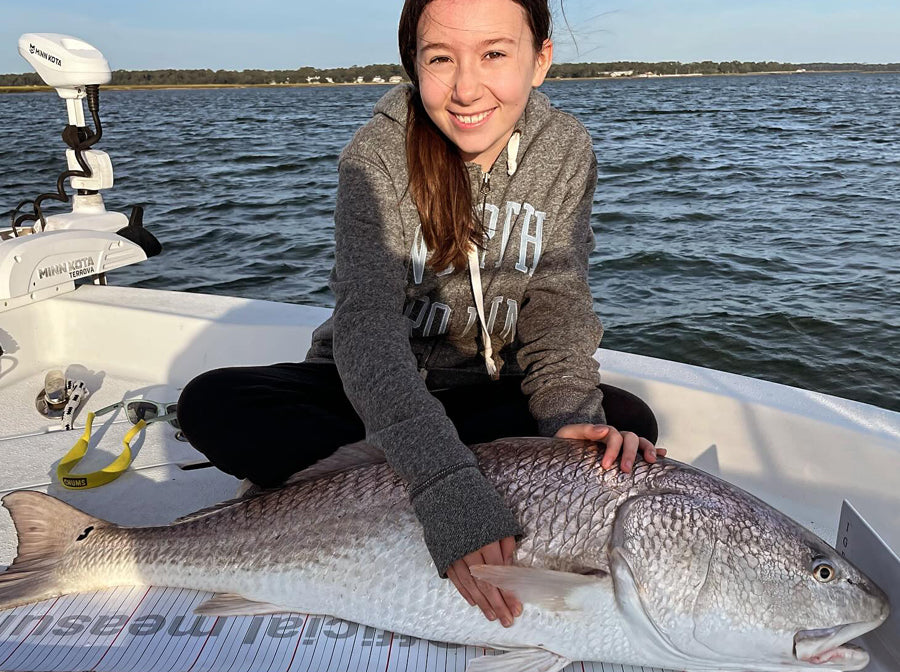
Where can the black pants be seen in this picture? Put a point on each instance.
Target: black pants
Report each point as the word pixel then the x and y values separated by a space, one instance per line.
pixel 268 422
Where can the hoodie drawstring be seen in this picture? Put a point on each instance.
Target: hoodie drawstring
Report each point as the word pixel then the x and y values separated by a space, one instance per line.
pixel 512 155
pixel 475 277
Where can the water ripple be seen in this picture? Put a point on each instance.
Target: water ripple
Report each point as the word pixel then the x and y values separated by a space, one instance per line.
pixel 743 223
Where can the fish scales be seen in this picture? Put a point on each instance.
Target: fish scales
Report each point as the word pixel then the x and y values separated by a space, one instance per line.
pixel 666 566
pixel 320 535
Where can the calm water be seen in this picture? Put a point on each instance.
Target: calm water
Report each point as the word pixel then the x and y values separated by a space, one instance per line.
pixel 748 224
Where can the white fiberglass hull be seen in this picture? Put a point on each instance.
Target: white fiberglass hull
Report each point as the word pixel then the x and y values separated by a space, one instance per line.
pixel 801 451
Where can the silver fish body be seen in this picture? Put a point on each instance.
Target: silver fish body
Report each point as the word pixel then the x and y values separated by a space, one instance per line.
pixel 664 567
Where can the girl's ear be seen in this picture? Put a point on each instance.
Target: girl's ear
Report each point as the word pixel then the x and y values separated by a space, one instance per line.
pixel 543 61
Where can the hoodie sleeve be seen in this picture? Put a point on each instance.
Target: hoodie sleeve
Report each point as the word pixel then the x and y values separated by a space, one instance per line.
pixel 558 330
pixel 459 509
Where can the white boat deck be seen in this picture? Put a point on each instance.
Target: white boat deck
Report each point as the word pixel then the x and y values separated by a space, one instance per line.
pixel 801 451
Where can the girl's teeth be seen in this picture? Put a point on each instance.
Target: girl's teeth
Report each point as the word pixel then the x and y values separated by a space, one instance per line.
pixel 472 119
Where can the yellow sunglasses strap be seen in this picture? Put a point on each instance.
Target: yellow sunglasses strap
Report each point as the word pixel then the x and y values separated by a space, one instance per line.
pixel 96 478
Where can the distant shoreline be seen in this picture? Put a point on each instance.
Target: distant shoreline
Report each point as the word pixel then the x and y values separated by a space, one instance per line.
pixel 154 87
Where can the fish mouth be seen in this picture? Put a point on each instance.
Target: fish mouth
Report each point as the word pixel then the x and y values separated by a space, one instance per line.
pixel 828 648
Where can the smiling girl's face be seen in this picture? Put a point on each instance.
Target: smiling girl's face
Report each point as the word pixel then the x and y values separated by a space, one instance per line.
pixel 477 63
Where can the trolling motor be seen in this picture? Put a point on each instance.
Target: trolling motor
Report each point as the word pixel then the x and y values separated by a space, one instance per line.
pixel 42 255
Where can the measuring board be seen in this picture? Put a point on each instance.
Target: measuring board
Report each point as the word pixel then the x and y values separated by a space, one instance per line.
pixel 861 545
pixel 142 629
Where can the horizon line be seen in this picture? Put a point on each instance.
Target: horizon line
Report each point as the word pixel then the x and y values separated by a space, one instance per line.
pixel 375 65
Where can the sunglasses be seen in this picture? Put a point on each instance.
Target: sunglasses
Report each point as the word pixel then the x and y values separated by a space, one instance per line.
pixel 146 410
pixel 141 412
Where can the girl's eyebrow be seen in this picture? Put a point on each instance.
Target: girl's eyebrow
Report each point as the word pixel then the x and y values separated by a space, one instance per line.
pixel 481 45
pixel 496 40
pixel 435 46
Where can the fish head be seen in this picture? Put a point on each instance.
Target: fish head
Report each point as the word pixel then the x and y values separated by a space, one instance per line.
pixel 720 580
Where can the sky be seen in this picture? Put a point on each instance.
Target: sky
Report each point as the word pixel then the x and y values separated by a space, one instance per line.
pixel 287 34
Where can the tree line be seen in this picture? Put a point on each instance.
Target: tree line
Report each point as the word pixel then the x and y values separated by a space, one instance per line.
pixel 306 75
pixel 576 70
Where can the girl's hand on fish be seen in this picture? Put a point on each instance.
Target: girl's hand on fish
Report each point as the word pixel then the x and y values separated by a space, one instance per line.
pixel 493 602
pixel 625 443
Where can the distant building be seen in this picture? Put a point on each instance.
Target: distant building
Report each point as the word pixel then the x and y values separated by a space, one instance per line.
pixel 359 80
pixel 310 80
pixel 378 79
pixel 329 80
pixel 396 79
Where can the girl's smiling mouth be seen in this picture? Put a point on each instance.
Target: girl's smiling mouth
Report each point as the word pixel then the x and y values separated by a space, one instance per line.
pixel 471 120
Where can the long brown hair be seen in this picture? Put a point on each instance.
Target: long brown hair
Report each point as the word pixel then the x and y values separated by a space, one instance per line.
pixel 438 180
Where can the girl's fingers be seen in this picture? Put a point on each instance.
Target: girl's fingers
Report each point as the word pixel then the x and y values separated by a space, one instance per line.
pixel 650 451
pixel 508 549
pixel 512 603
pixel 630 444
pixel 468 582
pixel 498 604
pixel 451 574
pixel 490 555
pixel 613 445
pixel 624 446
pixel 583 431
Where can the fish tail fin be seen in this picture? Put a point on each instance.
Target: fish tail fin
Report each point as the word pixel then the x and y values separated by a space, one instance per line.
pixel 47 528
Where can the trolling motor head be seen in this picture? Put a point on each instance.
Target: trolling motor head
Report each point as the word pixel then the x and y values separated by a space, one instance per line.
pixel 47 257
pixel 65 63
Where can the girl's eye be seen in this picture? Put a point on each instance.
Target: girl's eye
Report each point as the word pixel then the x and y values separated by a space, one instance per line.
pixel 494 55
pixel 439 59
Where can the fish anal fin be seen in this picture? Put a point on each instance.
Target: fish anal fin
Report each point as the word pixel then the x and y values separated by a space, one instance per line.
pixel 523 660
pixel 228 604
pixel 547 588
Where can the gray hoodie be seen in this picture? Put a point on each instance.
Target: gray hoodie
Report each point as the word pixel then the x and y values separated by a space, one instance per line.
pixel 400 328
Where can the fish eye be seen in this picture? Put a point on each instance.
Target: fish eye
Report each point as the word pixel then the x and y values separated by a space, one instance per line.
pixel 823 571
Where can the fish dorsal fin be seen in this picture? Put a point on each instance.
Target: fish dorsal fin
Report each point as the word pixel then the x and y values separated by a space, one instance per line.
pixel 547 588
pixel 227 604
pixel 347 457
pixel 524 660
pixel 209 509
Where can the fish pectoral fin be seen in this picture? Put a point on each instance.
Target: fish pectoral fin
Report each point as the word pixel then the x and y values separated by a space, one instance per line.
pixel 547 588
pixel 227 604
pixel 641 631
pixel 524 660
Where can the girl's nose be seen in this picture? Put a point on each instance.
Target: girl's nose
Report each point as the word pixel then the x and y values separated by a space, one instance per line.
pixel 468 86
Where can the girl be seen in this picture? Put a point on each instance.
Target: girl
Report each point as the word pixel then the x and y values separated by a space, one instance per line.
pixel 463 313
